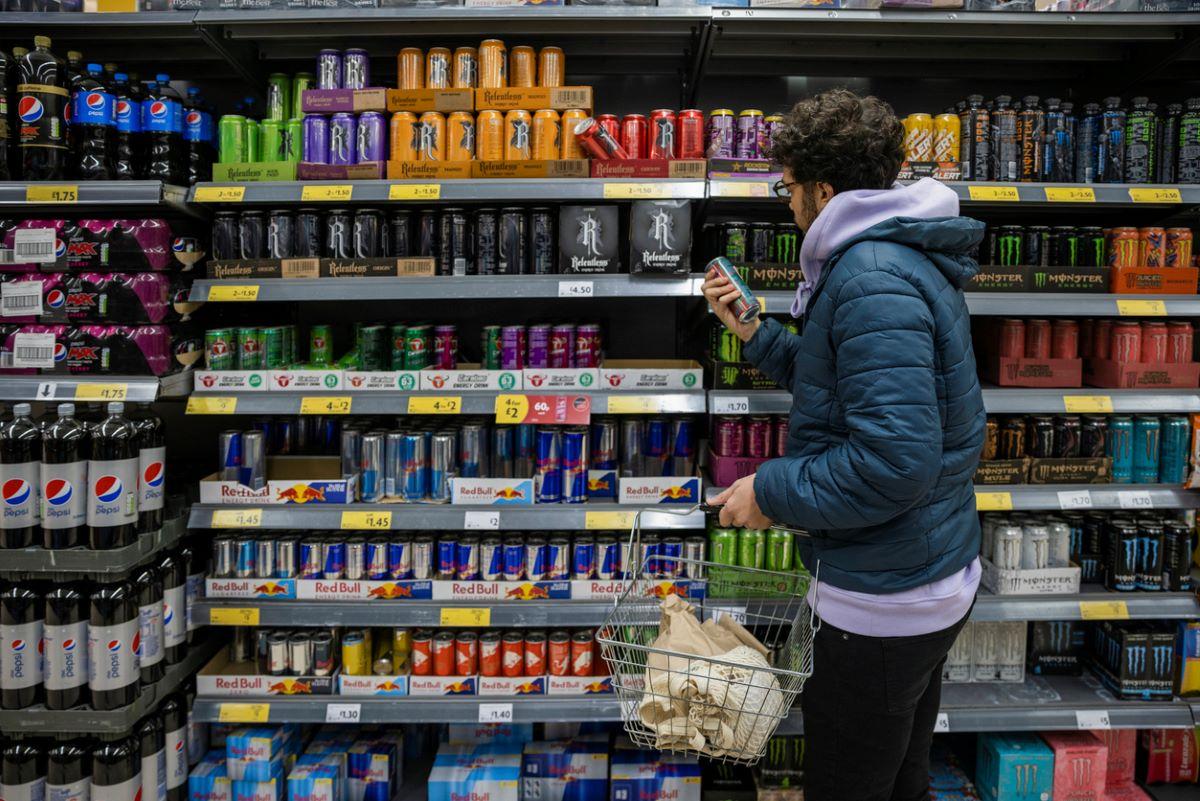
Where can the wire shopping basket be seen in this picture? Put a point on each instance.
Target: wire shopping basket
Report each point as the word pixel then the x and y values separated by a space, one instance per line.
pixel 724 707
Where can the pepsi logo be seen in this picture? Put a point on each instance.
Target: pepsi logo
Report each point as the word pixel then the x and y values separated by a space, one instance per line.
pixel 114 646
pixel 124 109
pixel 168 613
pixel 138 795
pixel 16 491
pixel 153 474
pixel 60 351
pixel 159 110
pixel 60 248
pixel 108 488
pixel 137 642
pixel 18 645
pixel 179 245
pixel 55 298
pixel 193 118
pixel 94 100
pixel 30 109
pixel 58 491
pixel 68 644
pixel 179 745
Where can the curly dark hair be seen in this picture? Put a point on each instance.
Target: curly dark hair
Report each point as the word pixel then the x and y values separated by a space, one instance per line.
pixel 839 138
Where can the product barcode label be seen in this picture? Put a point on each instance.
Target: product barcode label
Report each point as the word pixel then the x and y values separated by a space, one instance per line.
pixel 7 256
pixel 33 351
pixel 574 96
pixel 20 298
pixel 300 268
pixel 1135 500
pixel 34 245
pixel 1092 719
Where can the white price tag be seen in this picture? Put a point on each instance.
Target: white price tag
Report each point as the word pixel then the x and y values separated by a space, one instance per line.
pixel 1092 719
pixel 575 289
pixel 735 613
pixel 34 245
pixel 482 521
pixel 1135 500
pixel 33 350
pixel 1075 499
pixel 727 405
pixel 47 390
pixel 343 713
pixel 21 298
pixel 495 713
pixel 942 724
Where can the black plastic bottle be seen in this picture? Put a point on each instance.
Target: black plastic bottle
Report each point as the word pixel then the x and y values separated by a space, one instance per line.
pixel 66 638
pixel 113 637
pixel 152 743
pixel 149 589
pixel 93 123
pixel 113 482
pixel 68 771
pixel 117 770
pixel 5 122
pixel 42 95
pixel 64 480
pixel 21 617
pixel 22 771
pixel 174 712
pixel 20 476
pixel 152 467
pixel 174 583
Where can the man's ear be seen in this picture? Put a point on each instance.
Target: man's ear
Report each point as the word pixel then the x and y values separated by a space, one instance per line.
pixel 825 192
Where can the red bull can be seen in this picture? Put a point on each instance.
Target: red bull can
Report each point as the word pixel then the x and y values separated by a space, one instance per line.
pixel 422 557
pixel 376 560
pixel 413 476
pixel 466 561
pixel 583 558
pixel 333 559
pixel 670 552
pixel 503 438
pixel 446 559
pixel 356 561
pixel 655 447
pixel 312 559
pixel 244 553
pixel 400 559
pixel 287 557
pixel 514 552
pixel 472 450
pixel 557 552
pixel 683 448
pixel 693 556
pixel 523 450
pixel 547 474
pixel 264 558
pixel 222 558
pixel 491 559
pixel 574 465
pixel 441 464
pixel 536 558
pixel 648 556
pixel 604 444
pixel 608 558
pixel 633 434
pixel 231 455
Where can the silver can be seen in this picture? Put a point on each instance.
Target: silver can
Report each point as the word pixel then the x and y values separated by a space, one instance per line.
pixel 1035 547
pixel 287 558
pixel 1007 551
pixel 442 461
pixel 392 448
pixel 356 560
pixel 254 460
pixel 264 558
pixel 1060 544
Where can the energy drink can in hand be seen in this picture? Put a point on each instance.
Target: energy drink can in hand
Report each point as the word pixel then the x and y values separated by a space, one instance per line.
pixel 746 307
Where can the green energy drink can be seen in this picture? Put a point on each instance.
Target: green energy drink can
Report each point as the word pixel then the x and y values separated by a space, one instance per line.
pixel 219 344
pixel 275 347
pixel 250 349
pixel 490 342
pixel 1010 246
pixel 231 139
pixel 293 346
pixel 723 546
pixel 320 346
pixel 293 135
pixel 733 241
pixel 752 547
pixel 270 140
pixel 416 347
pixel 300 82
pixel 787 244
pixel 399 344
pixel 372 347
pixel 279 97
pixel 729 347
pixel 253 149
pixel 779 550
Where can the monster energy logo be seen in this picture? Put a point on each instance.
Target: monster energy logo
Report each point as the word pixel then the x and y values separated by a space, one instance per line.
pixel 1162 661
pixel 661 224
pixel 1135 659
pixel 1027 776
pixel 1060 637
pixel 1040 279
pixel 1081 772
pixel 729 375
pixel 1010 250
pixel 1149 556
pixel 785 247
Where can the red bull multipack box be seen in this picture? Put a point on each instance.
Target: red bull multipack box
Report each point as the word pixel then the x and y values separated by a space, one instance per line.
pixel 209 779
pixel 637 775
pixel 470 733
pixel 256 754
pixel 315 779
pixel 374 766
pixel 272 790
pixel 480 772
pixel 566 770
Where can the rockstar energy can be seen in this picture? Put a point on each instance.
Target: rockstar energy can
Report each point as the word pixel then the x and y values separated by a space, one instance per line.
pixel 489 136
pixel 403 136
pixel 570 118
pixel 410 66
pixel 546 143
pixel 460 136
pixel 493 64
pixel 431 140
pixel 517 144
pixel 946 137
pixel 918 137
pixel 522 66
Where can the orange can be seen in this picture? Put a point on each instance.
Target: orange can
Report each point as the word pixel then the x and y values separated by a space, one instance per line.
pixel 1179 248
pixel 516 135
pixel 570 148
pixel 493 64
pixel 403 136
pixel 522 66
pixel 466 68
pixel 946 135
pixel 460 136
pixel 489 136
pixel 547 136
pixel 918 137
pixel 431 141
pixel 437 68
pixel 552 67
pixel 410 66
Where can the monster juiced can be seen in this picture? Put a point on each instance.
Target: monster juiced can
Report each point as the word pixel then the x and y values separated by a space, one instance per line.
pixel 746 307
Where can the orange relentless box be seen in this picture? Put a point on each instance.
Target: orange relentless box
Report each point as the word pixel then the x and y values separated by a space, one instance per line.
pixel 561 168
pixel 418 100
pixel 534 98
pixel 428 170
pixel 1154 280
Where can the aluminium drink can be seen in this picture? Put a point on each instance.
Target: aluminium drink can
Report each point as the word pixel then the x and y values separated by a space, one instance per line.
pixel 513 559
pixel 535 558
pixel 422 557
pixel 670 556
pixel 333 558
pixel 371 467
pixel 746 307
pixel 312 559
pixel 491 559
pixel 547 467
pixel 538 349
pixel 603 449
pixel 574 463
pixel 400 558
pixel 343 139
pixel 1147 438
pixel 287 556
pixel 412 477
pixel 264 558
pixel 224 548
pixel 751 547
pixel 607 558
pixel 1173 460
pixel 779 550
pixel 371 139
pixel 356 69
pixel 442 448
pixel 445 558
pixel 747 135
pixel 329 69
pixel 466 560
pixel 1150 554
pixel 694 555
pixel 473 450
pixel 589 346
pixel 721 134
pixel 356 561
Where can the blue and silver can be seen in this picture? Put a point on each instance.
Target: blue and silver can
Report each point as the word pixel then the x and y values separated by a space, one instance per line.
pixel 655 445
pixel 312 559
pixel 670 555
pixel 574 461
pixel 422 557
pixel 371 468
pixel 1147 442
pixel 466 560
pixel 547 473
pixel 356 561
pixel 400 558
pixel 441 465
pixel 1087 144
pixel 514 560
pixel 583 558
pixel 413 477
pixel 376 560
pixel 1173 461
pixel 633 435
pixel 523 450
pixel 491 559
pixel 608 557
pixel 503 447
pixel 333 558
pixel 264 558
pixel 244 553
pixel 351 452
pixel 683 448
pixel 393 448
pixel 1119 445
pixel 536 567
pixel 287 557
pixel 603 452
pixel 558 551
pixel 1111 162
pixel 472 451
pixel 446 559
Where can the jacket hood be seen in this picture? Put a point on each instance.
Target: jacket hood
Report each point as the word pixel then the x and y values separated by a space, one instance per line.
pixel 922 215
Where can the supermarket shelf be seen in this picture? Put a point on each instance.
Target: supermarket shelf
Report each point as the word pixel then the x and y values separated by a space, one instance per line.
pixel 97 194
pixel 1141 606
pixel 1071 304
pixel 41 721
pixel 374 709
pixel 473 403
pixel 996 401
pixel 737 401
pixel 49 388
pixel 463 190
pixel 471 287
pixel 444 517
pixel 81 562
pixel 1045 497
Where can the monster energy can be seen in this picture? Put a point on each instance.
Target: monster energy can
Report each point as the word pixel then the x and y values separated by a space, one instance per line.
pixel 1010 246
pixel 723 546
pixel 787 244
pixel 752 547
pixel 779 550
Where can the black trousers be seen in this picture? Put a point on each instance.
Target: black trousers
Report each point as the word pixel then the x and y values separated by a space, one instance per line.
pixel 869 711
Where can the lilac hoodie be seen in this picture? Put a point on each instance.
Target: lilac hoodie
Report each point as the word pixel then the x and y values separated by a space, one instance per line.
pixel 940 604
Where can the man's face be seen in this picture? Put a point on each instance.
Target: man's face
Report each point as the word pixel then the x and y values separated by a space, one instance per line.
pixel 806 200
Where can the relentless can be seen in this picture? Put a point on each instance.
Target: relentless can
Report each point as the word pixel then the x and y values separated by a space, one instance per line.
pixel 404 136
pixel 431 137
pixel 517 135
pixel 779 550
pixel 597 142
pixel 343 139
pixel 635 131
pixel 552 67
pixel 437 68
pixel 329 69
pixel 493 64
pixel 568 123
pixel 410 67
pixel 522 66
pixel 460 136
pixel 231 139
pixel 465 72
pixel 489 135
pixel 690 134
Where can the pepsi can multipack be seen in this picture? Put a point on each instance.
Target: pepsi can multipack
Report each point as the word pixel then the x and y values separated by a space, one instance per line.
pixel 132 244
pixel 64 486
pixel 20 477
pixel 66 636
pixel 113 640
pixel 21 621
pixel 113 482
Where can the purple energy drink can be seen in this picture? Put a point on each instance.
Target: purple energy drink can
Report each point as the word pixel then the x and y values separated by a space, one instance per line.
pixel 329 69
pixel 729 436
pixel 588 346
pixel 343 138
pixel 512 347
pixel 538 338
pixel 574 461
pixel 356 69
pixel 445 347
pixel 721 134
pixel 562 347
pixel 314 146
pixel 491 559
pixel 400 559
pixel 547 476
pixel 748 135
pixel 312 559
pixel 513 560
pixel 371 140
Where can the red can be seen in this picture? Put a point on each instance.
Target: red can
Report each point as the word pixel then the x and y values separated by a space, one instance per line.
pixel 1064 339
pixel 758 438
pixel 489 653
pixel 729 436
pixel 466 653
pixel 560 653
pixel 1152 247
pixel 1124 247
pixel 512 654
pixel 1126 342
pixel 1154 343
pixel 1102 339
pixel 1179 247
pixel 597 142
pixel 422 653
pixel 691 134
pixel 610 123
pixel 663 143
pixel 781 436
pixel 1012 338
pixel 535 653
pixel 634 132
pixel 1085 337
pixel 583 645
pixel 443 653
pixel 1037 339
pixel 1179 342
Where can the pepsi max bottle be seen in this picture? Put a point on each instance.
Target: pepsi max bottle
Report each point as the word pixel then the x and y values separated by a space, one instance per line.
pixel 152 467
pixel 162 120
pixel 93 123
pixel 117 771
pixel 112 482
pixel 174 583
pixel 64 480
pixel 113 641
pixel 152 740
pixel 66 639
pixel 20 647
pixel 41 103
pixel 174 717
pixel 148 586
pixel 127 133
pixel 198 135
pixel 20 462
pixel 68 771
pixel 22 772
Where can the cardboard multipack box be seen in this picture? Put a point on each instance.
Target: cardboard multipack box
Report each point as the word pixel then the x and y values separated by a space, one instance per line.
pixel 492 491
pixel 660 237
pixel 1134 660
pixel 478 733
pixel 1154 280
pixel 1080 765
pixel 643 374
pixel 222 677
pixel 677 169
pixel 1013 767
pixel 727 782
pixel 957 667
pixel 316 780
pixel 724 470
pixel 253 171
pixel 1189 658
pixel 354 101
pixel 271 789
pixel 782 765
pixel 1090 470
pixel 208 779
pixel 640 774
pixel 1035 373
pixel 394 685
pixel 1122 756
pixel 651 490
pixel 559 98
pixel 381 381
pixel 756 169
pixel 566 770
pixel 254 753
pixel 1056 647
pixel 739 375
pixel 1168 756
pixel 289 479
pixel 1020 278
pixel 426 171
pixel 589 239
pixel 1142 375
pixel 1001 471
pixel 443 685
pixel 771 277
pixel 489 771
pixel 421 100
pixel 530 168
pixel 363 171
pixel 553 379
pixel 307 269
pixel 998 651
pixel 1043 581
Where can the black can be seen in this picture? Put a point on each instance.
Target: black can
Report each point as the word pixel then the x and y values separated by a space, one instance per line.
pixel 761 244
pixel 226 236
pixel 734 236
pixel 369 233
pixel 1067 437
pixel 427 234
pixel 1036 246
pixel 308 234
pixel 1041 436
pixel 1012 438
pixel 281 234
pixel 1121 562
pixel 455 253
pixel 1091 246
pixel 1149 554
pixel 252 235
pixel 1009 246
pixel 1092 433
pixel 543 242
pixel 1095 534
pixel 1064 246
pixel 1168 150
pixel 976 137
pixel 486 242
pixel 339 234
pixel 1177 556
pixel 400 235
pixel 513 243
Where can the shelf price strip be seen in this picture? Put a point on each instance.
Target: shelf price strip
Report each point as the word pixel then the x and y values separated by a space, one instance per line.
pixel 439 404
pixel 326 192
pixel 241 616
pixel 1070 194
pixel 236 518
pixel 1007 194
pixel 343 713
pixel 219 194
pixel 993 501
pixel 243 713
pixel 414 192
pixel 1088 719
pixel 1103 610
pixel 495 713
pixel 366 521
pixel 1141 308
pixel 101 392
pixel 52 193
pixel 1088 404
pixel 233 293
pixel 197 404
pixel 1146 194
pixel 320 405
pixel 466 617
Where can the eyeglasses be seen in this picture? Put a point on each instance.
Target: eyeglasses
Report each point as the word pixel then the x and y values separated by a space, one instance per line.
pixel 783 189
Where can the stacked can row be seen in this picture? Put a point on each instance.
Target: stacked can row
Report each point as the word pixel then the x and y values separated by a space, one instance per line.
pixel 759 436
pixel 1086 246
pixel 490 66
pixel 1127 341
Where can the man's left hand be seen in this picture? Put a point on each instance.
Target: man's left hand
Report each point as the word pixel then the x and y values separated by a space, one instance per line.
pixel 740 506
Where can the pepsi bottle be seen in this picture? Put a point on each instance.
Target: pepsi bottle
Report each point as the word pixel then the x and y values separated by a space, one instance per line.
pixel 113 640
pixel 152 467
pixel 192 554
pixel 5 147
pixel 42 99
pixel 22 772
pixel 197 732
pixel 117 770
pixel 112 482
pixel 64 480
pixel 198 135
pixel 21 615
pixel 152 740
pixel 174 581
pixel 162 120
pixel 20 475
pixel 148 586
pixel 93 123
pixel 127 135
pixel 68 771
pixel 174 718
pixel 66 640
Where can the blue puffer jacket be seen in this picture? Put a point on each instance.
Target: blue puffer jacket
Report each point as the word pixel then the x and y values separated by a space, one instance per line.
pixel 887 419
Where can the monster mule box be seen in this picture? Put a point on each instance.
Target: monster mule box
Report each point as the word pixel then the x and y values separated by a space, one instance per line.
pixel 660 236
pixel 588 238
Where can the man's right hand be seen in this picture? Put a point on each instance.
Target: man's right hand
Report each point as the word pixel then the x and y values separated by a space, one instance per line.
pixel 720 293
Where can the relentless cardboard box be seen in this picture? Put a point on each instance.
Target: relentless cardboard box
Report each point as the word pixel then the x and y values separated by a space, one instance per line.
pixel 251 171
pixel 533 168
pixel 419 100
pixel 363 171
pixel 660 236
pixel 513 97
pixel 589 239
pixel 428 170
pixel 679 169
pixel 355 101
pixel 321 268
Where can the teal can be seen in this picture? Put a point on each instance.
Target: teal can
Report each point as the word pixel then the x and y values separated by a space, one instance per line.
pixel 1176 444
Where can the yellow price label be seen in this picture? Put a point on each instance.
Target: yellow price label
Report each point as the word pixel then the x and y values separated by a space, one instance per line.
pixel 624 191
pixel 1146 194
pixel 335 405
pixel 236 293
pixel 993 501
pixel 242 616
pixel 1103 610
pixel 1008 194
pixel 243 713
pixel 511 408
pixel 1141 308
pixel 634 404
pixel 740 189
pixel 435 404
pixel 1088 404
pixel 604 521
pixel 326 192
pixel 367 521
pixel 236 518
pixel 414 191
pixel 101 392
pixel 1070 194
pixel 219 194
pixel 762 304
pixel 52 193
pixel 466 617
pixel 197 404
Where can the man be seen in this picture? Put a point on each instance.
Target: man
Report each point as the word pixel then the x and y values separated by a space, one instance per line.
pixel 886 428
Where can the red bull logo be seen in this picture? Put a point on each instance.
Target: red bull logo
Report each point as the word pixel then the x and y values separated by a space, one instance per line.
pixel 389 688
pixel 460 688
pixel 598 484
pixel 270 588
pixel 665 588
pixel 301 493
pixel 533 687
pixel 390 590
pixel 510 493
pixel 593 687
pixel 677 493
pixel 290 687
pixel 527 592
